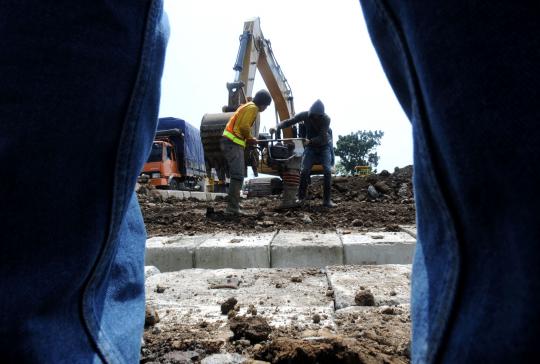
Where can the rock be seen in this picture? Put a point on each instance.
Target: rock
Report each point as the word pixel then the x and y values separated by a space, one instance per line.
pixel 383 187
pixel 151 316
pixel 253 328
pixel 357 222
pixel 330 293
pixel 225 359
pixel 228 305
pixel 387 310
pixel 364 298
pixel 384 173
pixel 252 310
pixel 296 279
pixel 224 283
pixel 403 191
pixel 155 196
pixel 316 318
pixel 181 356
pixel 372 192
pixel 307 220
pixel 160 289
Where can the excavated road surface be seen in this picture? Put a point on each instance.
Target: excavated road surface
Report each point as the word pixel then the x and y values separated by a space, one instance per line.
pixel 372 330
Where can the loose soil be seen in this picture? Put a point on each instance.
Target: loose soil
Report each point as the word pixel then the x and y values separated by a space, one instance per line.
pixel 389 202
pixel 371 334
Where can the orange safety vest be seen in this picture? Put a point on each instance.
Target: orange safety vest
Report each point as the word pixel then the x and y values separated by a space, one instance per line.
pixel 230 131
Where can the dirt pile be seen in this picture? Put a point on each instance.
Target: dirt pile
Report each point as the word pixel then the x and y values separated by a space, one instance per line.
pixel 378 201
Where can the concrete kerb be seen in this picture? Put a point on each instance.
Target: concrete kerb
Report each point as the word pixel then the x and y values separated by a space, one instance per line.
pixel 173 253
pixel 278 249
pixel 378 248
pixel 233 251
pixel 306 249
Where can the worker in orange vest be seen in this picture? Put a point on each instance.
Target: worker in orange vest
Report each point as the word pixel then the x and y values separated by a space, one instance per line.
pixel 236 136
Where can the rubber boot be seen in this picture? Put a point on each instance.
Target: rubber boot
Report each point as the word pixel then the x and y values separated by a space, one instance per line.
pixel 304 180
pixel 327 191
pixel 233 206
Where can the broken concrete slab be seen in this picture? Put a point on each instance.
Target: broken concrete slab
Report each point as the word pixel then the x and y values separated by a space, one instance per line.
pixel 173 253
pixel 305 249
pixel 233 251
pixel 187 297
pixel 389 283
pixel 378 248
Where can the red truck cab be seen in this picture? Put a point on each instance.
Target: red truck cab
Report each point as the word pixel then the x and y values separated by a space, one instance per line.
pixel 161 167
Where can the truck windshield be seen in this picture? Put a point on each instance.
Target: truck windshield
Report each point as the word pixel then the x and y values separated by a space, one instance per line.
pixel 155 153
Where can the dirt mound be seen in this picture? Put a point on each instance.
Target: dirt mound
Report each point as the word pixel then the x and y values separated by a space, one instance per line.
pixel 336 350
pixel 379 201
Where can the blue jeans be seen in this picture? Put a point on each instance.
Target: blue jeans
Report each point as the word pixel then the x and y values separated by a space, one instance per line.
pixel 313 155
pixel 466 73
pixel 79 96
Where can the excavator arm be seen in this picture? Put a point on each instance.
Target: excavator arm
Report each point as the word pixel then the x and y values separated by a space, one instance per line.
pixel 279 157
pixel 255 53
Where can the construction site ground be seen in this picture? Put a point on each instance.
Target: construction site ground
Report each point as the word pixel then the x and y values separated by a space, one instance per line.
pixel 322 314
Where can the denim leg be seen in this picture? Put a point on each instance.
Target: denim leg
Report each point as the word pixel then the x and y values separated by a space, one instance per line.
pixel 78 104
pixel 466 74
pixel 308 159
pixel 326 158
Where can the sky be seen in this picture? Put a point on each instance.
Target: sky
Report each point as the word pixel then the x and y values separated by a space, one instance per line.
pixel 324 51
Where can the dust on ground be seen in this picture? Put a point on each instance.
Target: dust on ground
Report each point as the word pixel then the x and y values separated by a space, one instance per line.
pixel 366 203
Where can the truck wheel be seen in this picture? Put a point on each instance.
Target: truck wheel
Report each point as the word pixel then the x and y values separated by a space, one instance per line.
pixel 173 184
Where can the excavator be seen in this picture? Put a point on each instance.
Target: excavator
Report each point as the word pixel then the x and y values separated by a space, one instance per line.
pixel 274 154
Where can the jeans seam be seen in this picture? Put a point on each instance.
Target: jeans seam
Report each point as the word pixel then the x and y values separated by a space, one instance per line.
pixel 104 345
pixel 452 280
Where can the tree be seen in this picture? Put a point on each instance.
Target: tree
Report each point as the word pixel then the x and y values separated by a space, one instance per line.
pixel 358 149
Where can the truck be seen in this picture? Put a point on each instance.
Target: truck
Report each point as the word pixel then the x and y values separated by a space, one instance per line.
pixel 176 159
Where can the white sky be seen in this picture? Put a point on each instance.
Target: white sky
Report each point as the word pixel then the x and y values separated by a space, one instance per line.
pixel 322 47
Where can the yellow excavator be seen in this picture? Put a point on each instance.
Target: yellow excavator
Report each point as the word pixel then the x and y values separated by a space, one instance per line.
pixel 273 155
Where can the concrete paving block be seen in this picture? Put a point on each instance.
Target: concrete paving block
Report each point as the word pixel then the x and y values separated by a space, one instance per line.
pixel 173 253
pixel 378 248
pixel 305 249
pixel 233 251
pixel 389 283
pixel 201 196
pixel 187 297
pixel 181 195
pixel 409 229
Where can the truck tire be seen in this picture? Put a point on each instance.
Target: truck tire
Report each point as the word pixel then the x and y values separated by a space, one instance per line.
pixel 173 184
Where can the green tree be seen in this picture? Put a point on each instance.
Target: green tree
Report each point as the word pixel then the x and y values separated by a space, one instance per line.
pixel 358 149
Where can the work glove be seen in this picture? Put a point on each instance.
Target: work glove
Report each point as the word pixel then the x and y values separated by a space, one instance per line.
pixel 252 141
